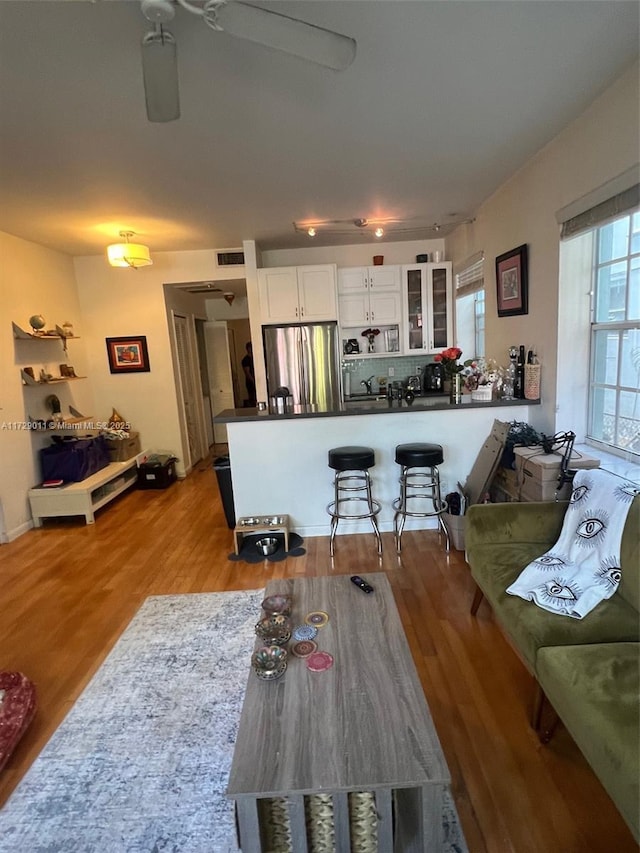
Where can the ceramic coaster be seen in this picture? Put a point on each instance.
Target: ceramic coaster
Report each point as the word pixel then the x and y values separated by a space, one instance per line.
pixel 304 648
pixel 317 617
pixel 319 661
pixel 304 632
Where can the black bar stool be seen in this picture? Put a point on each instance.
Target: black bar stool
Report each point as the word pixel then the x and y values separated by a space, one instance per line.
pixel 419 486
pixel 351 466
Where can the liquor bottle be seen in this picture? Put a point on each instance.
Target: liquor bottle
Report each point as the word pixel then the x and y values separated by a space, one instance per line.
pixel 510 379
pixel 518 391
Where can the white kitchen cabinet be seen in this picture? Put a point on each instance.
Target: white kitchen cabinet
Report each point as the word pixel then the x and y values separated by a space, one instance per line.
pixel 427 303
pixel 363 309
pixel 355 279
pixel 302 294
pixel 369 295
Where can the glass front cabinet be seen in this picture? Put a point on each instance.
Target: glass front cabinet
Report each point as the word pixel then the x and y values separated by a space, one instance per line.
pixel 427 301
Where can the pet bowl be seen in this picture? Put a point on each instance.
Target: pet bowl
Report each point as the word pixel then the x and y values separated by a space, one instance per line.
pixel 277 604
pixel 268 545
pixel 274 629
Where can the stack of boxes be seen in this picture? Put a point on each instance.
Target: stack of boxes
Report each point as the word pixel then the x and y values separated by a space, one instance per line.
pixel 535 477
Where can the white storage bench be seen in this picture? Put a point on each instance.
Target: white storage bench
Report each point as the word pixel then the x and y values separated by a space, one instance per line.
pixel 85 497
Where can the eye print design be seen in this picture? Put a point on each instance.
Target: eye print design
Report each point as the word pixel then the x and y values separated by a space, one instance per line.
pixel 609 573
pixel 590 528
pixel 626 492
pixel 560 594
pixel 578 494
pixel 549 561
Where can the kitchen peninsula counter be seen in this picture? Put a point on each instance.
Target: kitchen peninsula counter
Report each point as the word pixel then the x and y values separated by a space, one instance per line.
pixel 360 406
pixel 279 461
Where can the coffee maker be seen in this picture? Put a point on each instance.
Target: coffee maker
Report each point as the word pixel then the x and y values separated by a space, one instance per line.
pixel 433 378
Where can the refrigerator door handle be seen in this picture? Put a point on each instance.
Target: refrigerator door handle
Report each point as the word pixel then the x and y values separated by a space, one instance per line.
pixel 303 375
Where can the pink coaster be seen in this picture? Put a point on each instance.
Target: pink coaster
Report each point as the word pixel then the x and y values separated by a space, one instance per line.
pixel 319 661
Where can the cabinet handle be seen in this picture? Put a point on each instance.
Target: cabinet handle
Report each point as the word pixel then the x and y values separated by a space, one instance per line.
pixel 373 316
pixel 301 311
pixel 296 312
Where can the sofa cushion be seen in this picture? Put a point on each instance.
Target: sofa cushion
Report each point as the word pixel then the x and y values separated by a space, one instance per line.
pixel 495 567
pixel 595 692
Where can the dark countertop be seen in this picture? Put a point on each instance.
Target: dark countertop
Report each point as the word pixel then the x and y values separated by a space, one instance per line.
pixel 367 407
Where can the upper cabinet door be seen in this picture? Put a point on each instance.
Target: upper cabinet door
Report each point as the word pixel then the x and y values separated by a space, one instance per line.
pixel 440 308
pixel 427 302
pixel 414 307
pixel 279 295
pixel 297 294
pixel 352 279
pixel 385 278
pixel 353 309
pixel 385 308
pixel 317 293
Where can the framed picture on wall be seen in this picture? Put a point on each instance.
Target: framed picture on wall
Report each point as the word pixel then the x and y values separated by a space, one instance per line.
pixel 512 282
pixel 128 354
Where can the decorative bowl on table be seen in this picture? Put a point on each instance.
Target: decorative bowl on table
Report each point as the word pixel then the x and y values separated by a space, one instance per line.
pixel 274 629
pixel 277 604
pixel 269 662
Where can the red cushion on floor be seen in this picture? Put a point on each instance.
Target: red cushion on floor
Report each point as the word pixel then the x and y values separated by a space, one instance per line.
pixel 17 707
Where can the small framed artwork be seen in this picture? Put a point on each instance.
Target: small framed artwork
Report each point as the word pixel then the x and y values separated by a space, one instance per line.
pixel 128 355
pixel 512 282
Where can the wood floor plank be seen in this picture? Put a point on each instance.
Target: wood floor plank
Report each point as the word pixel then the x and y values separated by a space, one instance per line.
pixel 69 590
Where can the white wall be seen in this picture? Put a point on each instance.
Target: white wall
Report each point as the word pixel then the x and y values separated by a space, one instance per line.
pixel 33 280
pixel 356 255
pixel 601 144
pixel 132 302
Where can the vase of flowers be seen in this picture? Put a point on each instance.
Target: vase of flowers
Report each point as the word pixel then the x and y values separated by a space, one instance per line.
pixel 370 335
pixel 448 358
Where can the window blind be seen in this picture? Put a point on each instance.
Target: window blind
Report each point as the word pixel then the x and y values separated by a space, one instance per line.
pixel 612 208
pixel 470 278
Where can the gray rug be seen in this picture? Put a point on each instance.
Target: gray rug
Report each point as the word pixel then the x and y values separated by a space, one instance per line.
pixel 140 764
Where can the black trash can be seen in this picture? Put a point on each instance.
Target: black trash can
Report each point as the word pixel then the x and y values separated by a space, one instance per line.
pixel 222 467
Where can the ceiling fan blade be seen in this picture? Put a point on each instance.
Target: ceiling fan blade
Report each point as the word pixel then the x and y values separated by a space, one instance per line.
pixel 281 32
pixel 160 75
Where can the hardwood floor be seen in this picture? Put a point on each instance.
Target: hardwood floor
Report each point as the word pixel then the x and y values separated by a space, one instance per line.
pixel 69 590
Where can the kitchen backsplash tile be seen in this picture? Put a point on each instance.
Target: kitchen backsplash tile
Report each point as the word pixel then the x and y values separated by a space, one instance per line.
pixel 403 366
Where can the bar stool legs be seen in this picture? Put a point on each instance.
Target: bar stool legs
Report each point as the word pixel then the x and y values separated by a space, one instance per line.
pixel 417 487
pixel 351 480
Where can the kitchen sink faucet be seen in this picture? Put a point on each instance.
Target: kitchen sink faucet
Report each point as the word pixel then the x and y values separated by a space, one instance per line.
pixel 366 383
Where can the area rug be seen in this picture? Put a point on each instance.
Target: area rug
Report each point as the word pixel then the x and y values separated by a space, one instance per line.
pixel 141 762
pixel 249 553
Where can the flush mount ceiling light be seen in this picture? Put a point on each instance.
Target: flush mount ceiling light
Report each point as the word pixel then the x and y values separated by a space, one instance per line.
pixel 378 227
pixel 127 254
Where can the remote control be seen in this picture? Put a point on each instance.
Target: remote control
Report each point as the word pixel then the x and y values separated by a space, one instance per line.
pixel 362 584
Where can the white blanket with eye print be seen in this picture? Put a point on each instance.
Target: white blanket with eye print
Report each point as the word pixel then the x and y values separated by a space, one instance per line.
pixel 583 567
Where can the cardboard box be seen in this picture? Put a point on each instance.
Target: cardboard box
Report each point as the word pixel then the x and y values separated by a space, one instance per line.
pixel 535 477
pixel 121 449
pixel 479 480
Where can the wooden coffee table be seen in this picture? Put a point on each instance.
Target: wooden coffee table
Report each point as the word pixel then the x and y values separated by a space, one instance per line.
pixel 361 726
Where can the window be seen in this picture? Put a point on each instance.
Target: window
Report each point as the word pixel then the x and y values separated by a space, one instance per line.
pixel 614 382
pixel 470 307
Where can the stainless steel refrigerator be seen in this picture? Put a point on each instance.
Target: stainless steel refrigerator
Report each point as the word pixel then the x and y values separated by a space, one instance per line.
pixel 305 359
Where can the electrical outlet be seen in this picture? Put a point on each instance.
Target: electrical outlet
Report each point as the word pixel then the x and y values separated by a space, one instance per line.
pixel 392 371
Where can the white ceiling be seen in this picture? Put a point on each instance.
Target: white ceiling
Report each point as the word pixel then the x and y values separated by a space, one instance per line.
pixel 445 100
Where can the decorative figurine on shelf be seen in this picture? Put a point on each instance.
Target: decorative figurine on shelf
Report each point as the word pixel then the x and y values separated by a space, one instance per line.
pixel 37 323
pixel 370 335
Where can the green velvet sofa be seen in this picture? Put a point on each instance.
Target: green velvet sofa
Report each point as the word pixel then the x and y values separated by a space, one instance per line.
pixel 589 669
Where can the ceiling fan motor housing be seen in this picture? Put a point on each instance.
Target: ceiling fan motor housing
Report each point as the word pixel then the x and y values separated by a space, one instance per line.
pixel 158 11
